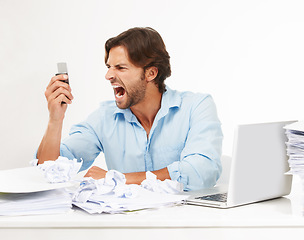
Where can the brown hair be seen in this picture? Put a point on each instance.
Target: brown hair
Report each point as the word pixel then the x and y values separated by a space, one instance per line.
pixel 145 48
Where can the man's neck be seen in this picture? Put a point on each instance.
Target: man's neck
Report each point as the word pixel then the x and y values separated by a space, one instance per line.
pixel 146 110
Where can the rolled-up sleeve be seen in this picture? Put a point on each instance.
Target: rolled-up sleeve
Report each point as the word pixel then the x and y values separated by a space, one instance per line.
pixel 82 144
pixel 199 165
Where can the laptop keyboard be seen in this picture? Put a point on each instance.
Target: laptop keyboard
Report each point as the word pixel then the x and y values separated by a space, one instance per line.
pixel 219 197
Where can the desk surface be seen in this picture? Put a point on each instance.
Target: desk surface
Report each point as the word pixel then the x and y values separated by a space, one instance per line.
pixel 271 217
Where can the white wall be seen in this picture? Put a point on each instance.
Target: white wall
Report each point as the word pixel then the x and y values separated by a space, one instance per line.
pixel 248 54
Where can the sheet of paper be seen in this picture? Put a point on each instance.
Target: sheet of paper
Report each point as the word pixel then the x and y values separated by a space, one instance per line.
pixel 297 126
pixel 24 180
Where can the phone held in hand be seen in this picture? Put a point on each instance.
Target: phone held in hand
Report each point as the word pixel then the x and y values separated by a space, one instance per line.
pixel 63 69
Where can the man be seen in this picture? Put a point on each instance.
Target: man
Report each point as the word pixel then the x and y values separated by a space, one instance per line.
pixel 149 127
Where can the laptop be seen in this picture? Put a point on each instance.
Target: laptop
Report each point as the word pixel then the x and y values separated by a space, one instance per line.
pixel 258 166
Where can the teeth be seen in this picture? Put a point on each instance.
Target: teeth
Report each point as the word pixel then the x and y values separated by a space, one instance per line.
pixel 119 94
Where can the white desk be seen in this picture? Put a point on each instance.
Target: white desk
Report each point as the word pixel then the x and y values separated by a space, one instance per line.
pixel 280 219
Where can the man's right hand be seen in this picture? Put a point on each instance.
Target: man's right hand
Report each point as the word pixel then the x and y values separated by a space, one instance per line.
pixel 56 93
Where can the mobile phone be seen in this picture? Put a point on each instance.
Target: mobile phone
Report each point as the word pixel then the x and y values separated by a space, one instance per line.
pixel 63 69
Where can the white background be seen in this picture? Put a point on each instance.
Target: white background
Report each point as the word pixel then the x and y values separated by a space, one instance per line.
pixel 248 54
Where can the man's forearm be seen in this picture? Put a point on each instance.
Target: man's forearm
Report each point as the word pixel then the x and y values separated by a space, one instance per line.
pixel 49 148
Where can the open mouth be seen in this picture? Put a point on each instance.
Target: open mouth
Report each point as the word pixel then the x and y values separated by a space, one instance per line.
pixel 119 91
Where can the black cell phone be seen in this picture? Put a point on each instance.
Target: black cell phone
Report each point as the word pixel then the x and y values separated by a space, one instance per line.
pixel 63 69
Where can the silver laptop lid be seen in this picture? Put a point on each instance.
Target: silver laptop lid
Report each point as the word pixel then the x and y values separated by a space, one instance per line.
pixel 259 164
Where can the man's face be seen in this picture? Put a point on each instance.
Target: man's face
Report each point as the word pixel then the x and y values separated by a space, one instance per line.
pixel 127 80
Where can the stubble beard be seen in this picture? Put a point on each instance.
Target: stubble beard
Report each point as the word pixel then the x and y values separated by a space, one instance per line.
pixel 135 94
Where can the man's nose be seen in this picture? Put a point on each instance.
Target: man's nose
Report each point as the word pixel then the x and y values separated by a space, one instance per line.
pixel 110 74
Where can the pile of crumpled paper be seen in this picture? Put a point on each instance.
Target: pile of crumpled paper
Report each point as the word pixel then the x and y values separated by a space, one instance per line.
pixel 111 194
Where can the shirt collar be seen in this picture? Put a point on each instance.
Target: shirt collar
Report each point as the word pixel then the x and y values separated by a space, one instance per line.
pixel 170 99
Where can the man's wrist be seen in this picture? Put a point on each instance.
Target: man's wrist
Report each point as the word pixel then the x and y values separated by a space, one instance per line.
pixel 138 177
pixel 55 123
pixel 135 177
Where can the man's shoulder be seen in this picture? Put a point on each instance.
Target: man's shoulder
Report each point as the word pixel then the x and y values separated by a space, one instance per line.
pixel 190 97
pixel 194 95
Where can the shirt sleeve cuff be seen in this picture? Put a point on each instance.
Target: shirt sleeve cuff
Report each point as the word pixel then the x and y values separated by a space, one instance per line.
pixel 175 174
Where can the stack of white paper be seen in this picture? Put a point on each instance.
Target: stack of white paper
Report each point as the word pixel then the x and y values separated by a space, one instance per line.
pixel 26 191
pixel 295 148
pixel 45 202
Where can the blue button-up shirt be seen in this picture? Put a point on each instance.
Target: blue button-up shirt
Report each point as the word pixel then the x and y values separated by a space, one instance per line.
pixel 185 137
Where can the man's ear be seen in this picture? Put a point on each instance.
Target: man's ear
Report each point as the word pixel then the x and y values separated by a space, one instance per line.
pixel 151 73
